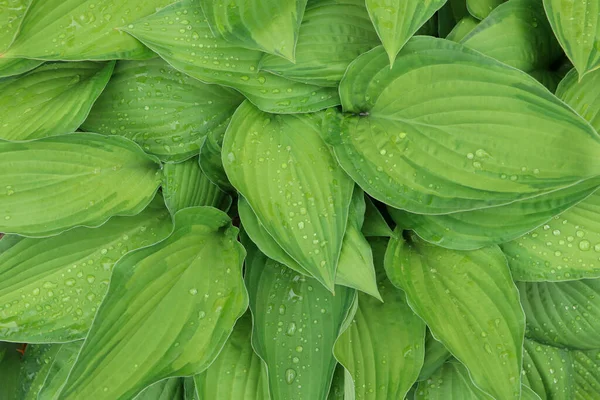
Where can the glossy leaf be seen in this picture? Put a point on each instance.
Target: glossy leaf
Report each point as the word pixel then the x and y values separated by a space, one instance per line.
pixel 470 304
pixel 577 28
pixel 54 285
pixel 336 392
pixel 75 179
pixel 185 185
pixel 462 28
pixel 451 381
pixel 163 110
pixel 167 389
pixel 51 100
pixel 59 370
pixel 11 16
pixel 71 30
pixel 210 160
pixel 10 360
pixel 586 368
pixel 383 348
pixel 293 184
pixel 17 66
pixel 437 151
pixel 265 25
pixel 168 312
pixel 563 314
pixel 333 33
pixel 449 16
pixel 34 369
pixel 583 95
pixel 296 323
pixel 397 20
pixel 548 370
pixel 192 49
pixel 237 373
pixel 436 354
pixel 480 9
pixel 374 224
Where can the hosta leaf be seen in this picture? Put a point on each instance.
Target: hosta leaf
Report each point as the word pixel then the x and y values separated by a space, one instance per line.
pixel 470 304
pixel 10 360
pixel 237 373
pixel 75 179
pixel 16 66
pixel 185 185
pixel 333 33
pixel 336 392
pixel 51 100
pixel 168 312
pixel 81 30
pixel 482 8
pixel 35 365
pixel 586 366
pixel 189 389
pixel 292 182
pixel 548 371
pixel 436 354
pixel 54 285
pixel 437 150
pixel 462 28
pixel 210 160
pixel 583 95
pixel 189 45
pixel 383 347
pixel 563 314
pixel 296 323
pixel 451 381
pixel 11 16
pixel 577 28
pixel 450 15
pixel 167 389
pixel 374 224
pixel 265 25
pixel 469 230
pixel 397 20
pixel 59 370
pixel 163 110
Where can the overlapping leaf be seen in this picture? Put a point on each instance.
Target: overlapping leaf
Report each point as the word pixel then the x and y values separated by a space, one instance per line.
pixel 167 389
pixel 10 361
pixel 59 370
pixel 547 370
pixel 482 8
pixel 11 16
pixel 436 354
pixel 451 381
pixel 210 160
pixel 586 366
pixel 16 66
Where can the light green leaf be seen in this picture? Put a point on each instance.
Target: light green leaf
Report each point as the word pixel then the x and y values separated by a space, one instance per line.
pixel 436 354
pixel 71 30
pixel 548 371
pixel 374 224
pixel 300 195
pixel 163 110
pixel 59 370
pixel 451 381
pixel 583 95
pixel 168 312
pixel 210 160
pixel 54 285
pixel 436 151
pixel 462 28
pixel 191 48
pixel 265 25
pixel 51 100
pixel 586 368
pixel 189 389
pixel 296 323
pixel 167 389
pixel 333 33
pixel 17 66
pixel 11 17
pixel 396 21
pixel 471 305
pixel 35 365
pixel 237 373
pixel 480 9
pixel 383 348
pixel 563 314
pixel 577 28
pixel 75 179
pixel 185 185
pixel 10 360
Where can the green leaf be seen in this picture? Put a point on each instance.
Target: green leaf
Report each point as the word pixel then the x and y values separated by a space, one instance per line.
pixel 34 368
pixel 76 179
pixel 168 312
pixel 577 28
pixel 189 389
pixel 59 370
pixel 383 348
pixel 71 30
pixel 51 100
pixel 167 389
pixel 480 9
pixel 54 285
pixel 17 66
pixel 11 16
pixel 237 373
pixel 449 15
pixel 10 361
pixel 300 195
pixel 210 160
pixel 163 110
pixel 336 392
pixel 265 25
pixel 563 314
pixel 462 28
pixel 296 323
pixel 396 21
pixel 583 95
pixel 437 151
pixel 548 371
pixel 471 305
pixel 185 185
pixel 451 381
pixel 586 368
pixel 374 224
pixel 192 49
pixel 333 33
pixel 436 354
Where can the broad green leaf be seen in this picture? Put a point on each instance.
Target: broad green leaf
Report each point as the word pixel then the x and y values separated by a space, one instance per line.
pixel 237 373
pixel 451 381
pixel 163 110
pixel 167 389
pixel 53 286
pixel 59 370
pixel 17 66
pixel 583 95
pixel 480 9
pixel 470 304
pixel 333 33
pixel 185 185
pixel 168 312
pixel 469 230
pixel 36 364
pixel 71 30
pixel 51 100
pixel 336 392
pixel 10 361
pixel 296 323
pixel 11 16
pixel 462 28
pixel 188 44
pixel 383 348
pixel 436 354
pixel 563 314
pixel 586 368
pixel 189 389
pixel 396 21
pixel 265 25
pixel 300 195
pixel 437 150
pixel 75 179
pixel 374 224
pixel 577 28
pixel 210 160
pixel 548 371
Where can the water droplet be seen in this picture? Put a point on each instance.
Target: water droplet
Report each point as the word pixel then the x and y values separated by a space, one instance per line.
pixel 290 375
pixel 584 245
pixel 193 291
pixel 281 309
